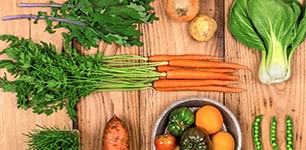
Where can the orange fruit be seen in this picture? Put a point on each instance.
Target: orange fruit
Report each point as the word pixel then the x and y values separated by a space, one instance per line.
pixel 209 118
pixel 223 140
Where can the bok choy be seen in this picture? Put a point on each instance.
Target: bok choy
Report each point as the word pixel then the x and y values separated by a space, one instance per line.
pixel 276 27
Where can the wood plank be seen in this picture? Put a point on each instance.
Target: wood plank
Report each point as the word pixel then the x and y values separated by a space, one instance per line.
pixel 270 100
pixel 167 36
pixel 13 121
pixel 95 110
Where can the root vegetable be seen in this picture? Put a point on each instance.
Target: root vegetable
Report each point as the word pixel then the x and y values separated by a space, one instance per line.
pixel 116 136
pixel 206 64
pixel 196 74
pixel 165 68
pixel 203 88
pixel 159 58
pixel 182 10
pixel 190 83
pixel 202 28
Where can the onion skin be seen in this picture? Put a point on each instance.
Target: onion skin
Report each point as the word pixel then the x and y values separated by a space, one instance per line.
pixel 182 10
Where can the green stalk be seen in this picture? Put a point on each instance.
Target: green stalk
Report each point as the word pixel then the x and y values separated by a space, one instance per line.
pixel 46 81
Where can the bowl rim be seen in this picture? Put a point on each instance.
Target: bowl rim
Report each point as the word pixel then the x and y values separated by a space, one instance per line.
pixel 215 102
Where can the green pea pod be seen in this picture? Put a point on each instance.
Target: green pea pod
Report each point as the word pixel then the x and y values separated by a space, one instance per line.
pixel 179 120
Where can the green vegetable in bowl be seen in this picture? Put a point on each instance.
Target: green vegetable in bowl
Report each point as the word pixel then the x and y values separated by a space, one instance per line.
pixel 195 139
pixel 179 120
pixel 276 27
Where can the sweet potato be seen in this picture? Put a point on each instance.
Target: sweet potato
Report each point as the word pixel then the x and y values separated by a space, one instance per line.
pixel 115 136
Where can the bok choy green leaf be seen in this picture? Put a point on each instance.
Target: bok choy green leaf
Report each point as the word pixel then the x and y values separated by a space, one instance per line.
pixel 276 27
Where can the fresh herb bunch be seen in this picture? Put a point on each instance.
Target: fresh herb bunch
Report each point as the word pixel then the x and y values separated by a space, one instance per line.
pixel 90 21
pixel 53 138
pixel 47 80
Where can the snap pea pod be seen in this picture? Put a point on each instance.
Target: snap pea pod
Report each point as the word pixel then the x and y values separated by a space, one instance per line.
pixel 273 137
pixel 289 133
pixel 257 132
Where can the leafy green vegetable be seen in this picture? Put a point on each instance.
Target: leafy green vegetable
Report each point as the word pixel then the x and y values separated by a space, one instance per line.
pixel 53 138
pixel 276 27
pixel 47 80
pixel 90 21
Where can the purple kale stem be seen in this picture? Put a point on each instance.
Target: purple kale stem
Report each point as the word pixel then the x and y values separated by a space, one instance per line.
pixel 48 5
pixel 5 18
pixel 38 5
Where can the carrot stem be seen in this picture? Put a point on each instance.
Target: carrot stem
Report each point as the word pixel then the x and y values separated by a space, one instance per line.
pixel 190 83
pixel 197 74
pixel 205 64
pixel 159 58
pixel 211 88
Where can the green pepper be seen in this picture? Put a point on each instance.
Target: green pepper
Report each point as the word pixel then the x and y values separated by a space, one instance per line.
pixel 195 139
pixel 179 120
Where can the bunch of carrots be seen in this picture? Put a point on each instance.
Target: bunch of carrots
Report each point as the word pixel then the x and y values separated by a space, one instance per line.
pixel 196 72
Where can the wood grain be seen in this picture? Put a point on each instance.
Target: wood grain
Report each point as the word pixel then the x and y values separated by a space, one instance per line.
pixel 140 109
pixel 278 100
pixel 15 122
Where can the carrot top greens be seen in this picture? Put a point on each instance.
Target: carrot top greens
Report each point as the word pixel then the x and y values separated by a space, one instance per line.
pixel 53 138
pixel 47 80
pixel 90 21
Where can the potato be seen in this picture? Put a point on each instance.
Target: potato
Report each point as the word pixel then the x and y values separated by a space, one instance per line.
pixel 202 28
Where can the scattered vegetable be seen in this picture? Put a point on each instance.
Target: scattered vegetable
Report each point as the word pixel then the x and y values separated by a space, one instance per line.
pixel 158 58
pixel 165 142
pixel 202 28
pixel 257 132
pixel 182 10
pixel 197 74
pixel 165 68
pixel 273 135
pixel 223 140
pixel 190 83
pixel 179 120
pixel 277 33
pixel 289 133
pixel 206 64
pixel 45 138
pixel 47 80
pixel 116 135
pixel 195 139
pixel 203 88
pixel 209 118
pixel 92 21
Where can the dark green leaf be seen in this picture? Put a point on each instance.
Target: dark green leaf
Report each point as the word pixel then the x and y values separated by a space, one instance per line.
pixel 241 26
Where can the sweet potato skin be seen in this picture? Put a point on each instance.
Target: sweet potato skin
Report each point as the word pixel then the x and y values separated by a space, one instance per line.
pixel 115 136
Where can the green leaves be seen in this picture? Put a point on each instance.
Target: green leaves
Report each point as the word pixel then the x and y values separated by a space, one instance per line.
pixel 47 81
pixel 44 138
pixel 241 26
pixel 276 27
pixel 110 21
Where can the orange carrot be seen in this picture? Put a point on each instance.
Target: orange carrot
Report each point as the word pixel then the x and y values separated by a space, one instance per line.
pixel 190 83
pixel 115 135
pixel 165 68
pixel 212 88
pixel 206 64
pixel 196 74
pixel 160 58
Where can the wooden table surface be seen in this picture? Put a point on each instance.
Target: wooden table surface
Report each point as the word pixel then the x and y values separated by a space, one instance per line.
pixel 140 109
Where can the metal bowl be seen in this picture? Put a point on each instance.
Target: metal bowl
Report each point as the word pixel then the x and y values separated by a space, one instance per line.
pixel 230 122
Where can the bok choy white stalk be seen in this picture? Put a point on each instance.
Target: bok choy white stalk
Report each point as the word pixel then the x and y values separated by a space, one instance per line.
pixel 276 27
